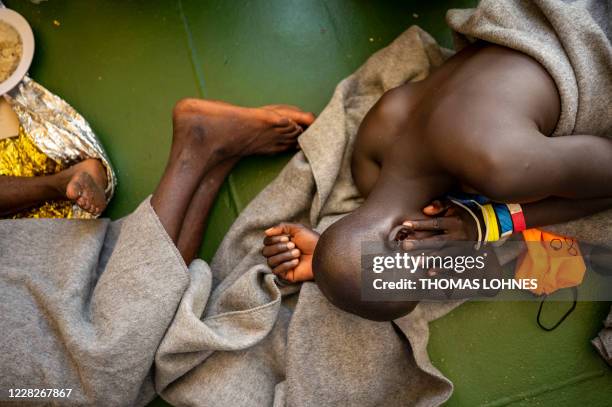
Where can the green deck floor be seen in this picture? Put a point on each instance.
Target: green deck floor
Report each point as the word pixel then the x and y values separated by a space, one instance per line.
pixel 123 64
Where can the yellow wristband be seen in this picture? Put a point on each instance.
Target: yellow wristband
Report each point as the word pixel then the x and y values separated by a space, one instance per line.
pixel 491 221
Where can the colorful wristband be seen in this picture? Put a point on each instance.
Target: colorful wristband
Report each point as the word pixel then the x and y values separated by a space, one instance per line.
pixel 504 219
pixel 478 227
pixel 468 198
pixel 485 232
pixel 518 218
pixel 491 221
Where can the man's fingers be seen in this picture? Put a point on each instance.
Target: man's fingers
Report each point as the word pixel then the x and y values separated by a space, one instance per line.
pixel 275 230
pixel 440 245
pixel 282 228
pixel 283 257
pixel 430 210
pixel 283 268
pixel 270 240
pixel 437 207
pixel 271 250
pixel 432 242
pixel 436 224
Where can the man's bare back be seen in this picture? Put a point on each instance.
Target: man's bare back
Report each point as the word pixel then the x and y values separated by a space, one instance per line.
pixel 459 106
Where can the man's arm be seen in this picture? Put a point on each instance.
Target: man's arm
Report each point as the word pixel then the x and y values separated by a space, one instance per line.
pixel 552 211
pixel 455 223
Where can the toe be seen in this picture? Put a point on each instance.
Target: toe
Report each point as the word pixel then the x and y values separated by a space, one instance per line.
pixel 288 128
pixel 307 118
pixel 283 122
pixel 303 118
pixel 73 191
pixel 290 136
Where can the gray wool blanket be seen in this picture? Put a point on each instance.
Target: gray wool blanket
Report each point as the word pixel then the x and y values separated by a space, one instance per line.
pixel 109 309
pixel 84 305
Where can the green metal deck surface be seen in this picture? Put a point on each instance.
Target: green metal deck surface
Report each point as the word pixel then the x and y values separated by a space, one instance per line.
pixel 123 64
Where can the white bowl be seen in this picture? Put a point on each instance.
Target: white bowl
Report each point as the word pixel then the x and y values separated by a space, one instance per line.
pixel 22 27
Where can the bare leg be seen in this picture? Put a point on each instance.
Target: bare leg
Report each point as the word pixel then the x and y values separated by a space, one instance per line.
pixel 194 224
pixel 192 230
pixel 19 193
pixel 207 134
pixel 83 183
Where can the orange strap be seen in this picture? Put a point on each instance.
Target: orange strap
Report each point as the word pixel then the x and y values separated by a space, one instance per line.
pixel 554 260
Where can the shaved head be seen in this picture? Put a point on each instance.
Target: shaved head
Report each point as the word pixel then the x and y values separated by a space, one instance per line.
pixel 337 267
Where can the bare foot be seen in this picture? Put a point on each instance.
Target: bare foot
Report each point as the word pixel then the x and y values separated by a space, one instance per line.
pixel 232 131
pixel 302 118
pixel 294 113
pixel 85 185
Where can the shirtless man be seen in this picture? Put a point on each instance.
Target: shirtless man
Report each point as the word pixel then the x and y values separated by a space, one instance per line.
pixel 479 123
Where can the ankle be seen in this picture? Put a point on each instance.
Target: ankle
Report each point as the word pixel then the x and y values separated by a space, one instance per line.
pixel 59 182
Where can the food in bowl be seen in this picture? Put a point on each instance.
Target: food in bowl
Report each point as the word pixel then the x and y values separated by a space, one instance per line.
pixel 11 50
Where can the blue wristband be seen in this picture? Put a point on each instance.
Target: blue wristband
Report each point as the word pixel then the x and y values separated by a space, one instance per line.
pixel 504 219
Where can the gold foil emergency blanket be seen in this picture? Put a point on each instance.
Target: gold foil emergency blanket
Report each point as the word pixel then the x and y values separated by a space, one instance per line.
pixel 58 131
pixel 19 157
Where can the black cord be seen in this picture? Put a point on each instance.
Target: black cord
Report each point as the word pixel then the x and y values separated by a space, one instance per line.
pixel 573 307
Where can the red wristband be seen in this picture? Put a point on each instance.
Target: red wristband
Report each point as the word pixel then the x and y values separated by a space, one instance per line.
pixel 518 219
